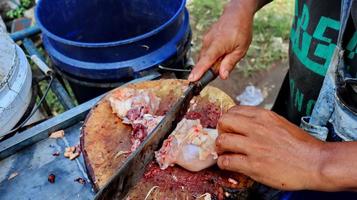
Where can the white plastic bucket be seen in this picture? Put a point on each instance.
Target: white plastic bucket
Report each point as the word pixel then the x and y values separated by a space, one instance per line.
pixel 15 83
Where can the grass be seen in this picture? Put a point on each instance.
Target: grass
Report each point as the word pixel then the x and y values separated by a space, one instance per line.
pixel 203 14
pixel 52 100
pixel 271 31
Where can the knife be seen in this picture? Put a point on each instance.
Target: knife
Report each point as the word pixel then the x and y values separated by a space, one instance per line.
pixel 134 167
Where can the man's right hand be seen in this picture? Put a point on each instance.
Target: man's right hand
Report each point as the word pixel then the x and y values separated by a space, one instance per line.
pixel 228 39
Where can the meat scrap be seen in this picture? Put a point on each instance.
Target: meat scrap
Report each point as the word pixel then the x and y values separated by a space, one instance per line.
pixel 136 108
pixel 120 153
pixel 189 146
pixel 231 180
pixel 56 153
pixel 132 104
pixel 206 196
pixel 51 178
pixel 142 127
pixel 12 175
pixel 208 115
pixel 72 152
pixel 210 180
pixel 150 192
pixel 57 134
pixel 80 180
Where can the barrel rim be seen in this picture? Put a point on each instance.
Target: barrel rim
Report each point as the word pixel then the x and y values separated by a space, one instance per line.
pixel 107 44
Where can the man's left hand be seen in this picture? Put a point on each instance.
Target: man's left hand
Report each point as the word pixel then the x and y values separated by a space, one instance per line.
pixel 268 148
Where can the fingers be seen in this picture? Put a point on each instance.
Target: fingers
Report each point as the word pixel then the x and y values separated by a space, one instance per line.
pixel 234 162
pixel 236 123
pixel 233 143
pixel 211 56
pixel 247 111
pixel 206 61
pixel 229 62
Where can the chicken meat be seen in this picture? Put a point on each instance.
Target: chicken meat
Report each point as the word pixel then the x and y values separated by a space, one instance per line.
pixel 136 108
pixel 189 146
pixel 131 104
pixel 142 127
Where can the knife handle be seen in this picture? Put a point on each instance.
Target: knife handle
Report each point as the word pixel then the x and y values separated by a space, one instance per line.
pixel 207 77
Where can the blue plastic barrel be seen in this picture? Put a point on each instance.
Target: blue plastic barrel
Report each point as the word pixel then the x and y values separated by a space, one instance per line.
pixel 114 40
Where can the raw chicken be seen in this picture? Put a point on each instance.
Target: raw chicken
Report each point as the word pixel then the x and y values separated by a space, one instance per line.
pixel 142 127
pixel 190 146
pixel 133 104
pixel 136 108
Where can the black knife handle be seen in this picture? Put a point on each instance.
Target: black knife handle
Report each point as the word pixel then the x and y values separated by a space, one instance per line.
pixel 207 77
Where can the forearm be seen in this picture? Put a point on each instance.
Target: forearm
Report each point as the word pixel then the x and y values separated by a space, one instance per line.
pixel 251 6
pixel 338 169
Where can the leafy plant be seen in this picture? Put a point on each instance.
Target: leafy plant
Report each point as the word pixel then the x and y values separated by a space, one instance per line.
pixel 20 9
pixel 27 3
pixel 15 13
pixel 203 14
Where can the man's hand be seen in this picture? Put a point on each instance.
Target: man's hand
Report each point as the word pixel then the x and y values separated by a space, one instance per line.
pixel 227 40
pixel 269 149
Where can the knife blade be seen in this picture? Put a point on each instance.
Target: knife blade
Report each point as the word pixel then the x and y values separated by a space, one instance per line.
pixel 134 167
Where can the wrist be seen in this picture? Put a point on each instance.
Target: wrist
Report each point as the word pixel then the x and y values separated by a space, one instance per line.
pixel 329 178
pixel 338 170
pixel 252 6
pixel 317 178
pixel 239 7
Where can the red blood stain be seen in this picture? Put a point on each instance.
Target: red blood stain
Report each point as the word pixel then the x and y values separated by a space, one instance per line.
pixel 51 178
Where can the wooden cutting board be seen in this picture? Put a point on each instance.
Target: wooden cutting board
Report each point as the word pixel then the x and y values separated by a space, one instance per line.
pixel 104 137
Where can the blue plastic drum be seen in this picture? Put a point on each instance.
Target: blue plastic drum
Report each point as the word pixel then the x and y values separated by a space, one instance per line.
pixel 114 40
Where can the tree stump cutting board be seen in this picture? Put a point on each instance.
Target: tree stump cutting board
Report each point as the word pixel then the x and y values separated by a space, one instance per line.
pixel 104 138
